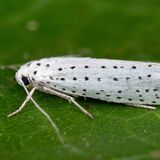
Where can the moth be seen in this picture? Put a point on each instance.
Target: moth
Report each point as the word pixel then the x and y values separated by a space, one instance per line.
pixel 129 82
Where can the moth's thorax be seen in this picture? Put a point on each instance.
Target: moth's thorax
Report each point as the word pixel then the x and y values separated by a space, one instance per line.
pixel 30 74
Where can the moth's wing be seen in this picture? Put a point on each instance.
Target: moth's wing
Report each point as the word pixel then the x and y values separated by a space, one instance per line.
pixel 110 80
pixel 113 80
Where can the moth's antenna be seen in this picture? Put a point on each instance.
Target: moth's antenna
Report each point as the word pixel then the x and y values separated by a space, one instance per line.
pixel 45 114
pixel 12 67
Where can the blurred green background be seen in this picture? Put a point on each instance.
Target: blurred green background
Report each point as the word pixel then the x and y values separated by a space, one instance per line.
pixel 104 29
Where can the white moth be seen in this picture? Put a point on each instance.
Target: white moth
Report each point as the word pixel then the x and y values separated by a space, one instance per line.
pixel 129 82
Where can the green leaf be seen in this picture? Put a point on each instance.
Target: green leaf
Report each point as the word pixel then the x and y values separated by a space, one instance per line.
pixel 103 29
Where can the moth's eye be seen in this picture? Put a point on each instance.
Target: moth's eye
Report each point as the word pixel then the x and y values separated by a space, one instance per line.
pixel 25 81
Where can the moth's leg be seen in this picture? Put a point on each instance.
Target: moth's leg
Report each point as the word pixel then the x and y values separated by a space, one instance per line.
pixel 141 106
pixel 23 104
pixel 69 98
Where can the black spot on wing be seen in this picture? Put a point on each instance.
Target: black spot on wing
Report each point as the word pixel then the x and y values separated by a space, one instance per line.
pixel 73 67
pixel 140 78
pixel 154 102
pixel 38 64
pixel 127 78
pixel 74 78
pixel 115 67
pixel 115 79
pixel 138 90
pixel 134 67
pixel 60 69
pixel 86 78
pixel 86 66
pixel 47 65
pixel 51 78
pixel 35 72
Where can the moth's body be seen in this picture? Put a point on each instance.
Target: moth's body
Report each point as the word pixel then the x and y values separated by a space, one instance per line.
pixel 118 81
pixel 128 82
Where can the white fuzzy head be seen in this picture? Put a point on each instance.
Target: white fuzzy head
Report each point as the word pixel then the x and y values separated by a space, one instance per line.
pixel 22 76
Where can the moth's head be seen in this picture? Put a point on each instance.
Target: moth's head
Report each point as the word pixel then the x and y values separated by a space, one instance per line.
pixel 22 76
